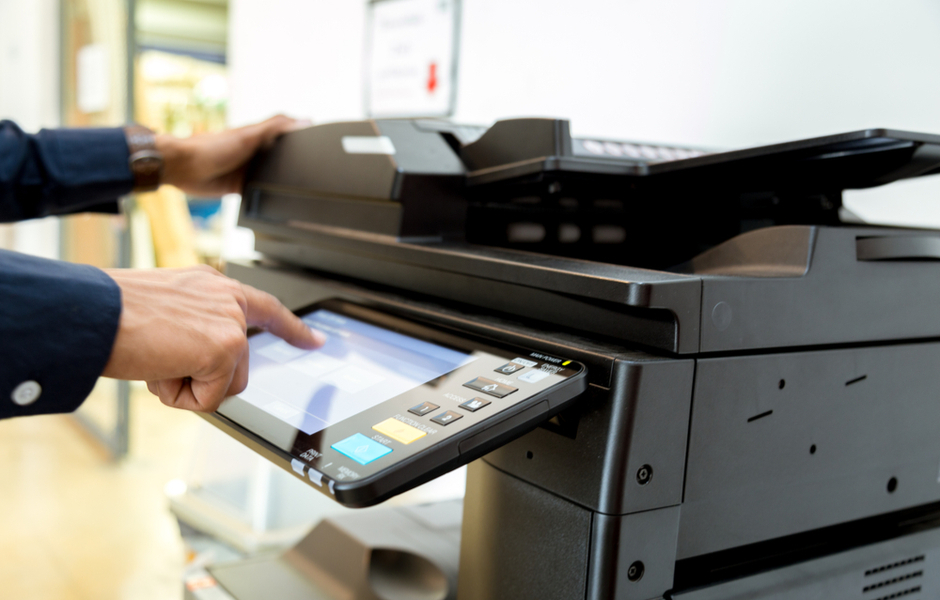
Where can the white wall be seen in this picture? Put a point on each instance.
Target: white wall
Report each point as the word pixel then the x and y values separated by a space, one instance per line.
pixel 723 73
pixel 29 95
pixel 298 57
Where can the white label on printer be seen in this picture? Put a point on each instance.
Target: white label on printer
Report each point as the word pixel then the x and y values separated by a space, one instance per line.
pixel 368 144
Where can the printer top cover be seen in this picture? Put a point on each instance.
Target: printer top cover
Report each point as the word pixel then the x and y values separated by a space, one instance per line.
pixel 675 249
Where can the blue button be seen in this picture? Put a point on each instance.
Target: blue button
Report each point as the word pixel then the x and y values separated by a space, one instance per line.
pixel 361 449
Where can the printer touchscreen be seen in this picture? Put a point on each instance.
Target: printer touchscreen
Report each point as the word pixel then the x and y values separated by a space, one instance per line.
pixel 360 366
pixel 386 404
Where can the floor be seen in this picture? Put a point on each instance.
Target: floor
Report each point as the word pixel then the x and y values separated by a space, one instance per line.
pixel 75 525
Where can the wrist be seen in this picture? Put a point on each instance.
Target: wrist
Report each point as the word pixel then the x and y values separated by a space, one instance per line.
pixel 176 159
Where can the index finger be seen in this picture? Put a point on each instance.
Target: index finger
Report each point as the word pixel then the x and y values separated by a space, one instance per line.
pixel 264 310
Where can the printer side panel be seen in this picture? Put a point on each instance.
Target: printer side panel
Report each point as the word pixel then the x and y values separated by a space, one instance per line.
pixel 788 443
pixel 618 450
pixel 587 506
pixel 519 542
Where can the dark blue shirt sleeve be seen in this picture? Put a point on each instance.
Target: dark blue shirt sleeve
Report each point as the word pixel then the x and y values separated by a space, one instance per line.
pixel 59 171
pixel 57 325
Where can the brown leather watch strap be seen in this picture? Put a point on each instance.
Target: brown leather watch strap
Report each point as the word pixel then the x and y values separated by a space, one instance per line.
pixel 145 160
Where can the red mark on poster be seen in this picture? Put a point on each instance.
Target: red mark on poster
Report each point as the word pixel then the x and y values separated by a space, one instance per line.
pixel 432 78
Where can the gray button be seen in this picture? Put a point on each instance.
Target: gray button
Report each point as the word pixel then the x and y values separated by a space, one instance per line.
pixel 446 418
pixel 509 368
pixel 26 393
pixel 423 409
pixel 488 386
pixel 475 404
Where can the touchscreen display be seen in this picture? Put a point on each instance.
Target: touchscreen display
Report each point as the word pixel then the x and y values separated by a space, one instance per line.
pixel 359 367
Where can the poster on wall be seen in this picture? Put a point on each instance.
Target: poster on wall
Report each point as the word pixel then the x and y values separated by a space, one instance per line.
pixel 411 65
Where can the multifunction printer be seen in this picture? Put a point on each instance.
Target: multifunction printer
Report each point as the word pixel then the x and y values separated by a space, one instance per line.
pixel 762 414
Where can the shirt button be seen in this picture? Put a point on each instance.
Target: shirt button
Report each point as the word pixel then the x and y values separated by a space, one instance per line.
pixel 26 393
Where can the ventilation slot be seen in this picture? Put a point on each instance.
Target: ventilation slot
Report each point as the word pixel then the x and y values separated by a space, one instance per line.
pixel 895 565
pixel 760 416
pixel 907 592
pixel 898 579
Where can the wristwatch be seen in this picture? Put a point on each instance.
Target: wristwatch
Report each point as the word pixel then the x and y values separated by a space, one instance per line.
pixel 145 160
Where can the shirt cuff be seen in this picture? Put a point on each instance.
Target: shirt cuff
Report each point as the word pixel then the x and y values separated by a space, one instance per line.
pixel 94 163
pixel 58 325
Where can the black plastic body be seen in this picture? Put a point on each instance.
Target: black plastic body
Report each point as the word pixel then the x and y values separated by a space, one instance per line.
pixel 676 249
pixel 722 438
pixel 308 177
pixel 762 391
pixel 523 184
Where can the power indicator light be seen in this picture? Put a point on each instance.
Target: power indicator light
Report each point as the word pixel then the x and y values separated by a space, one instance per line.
pixel 566 363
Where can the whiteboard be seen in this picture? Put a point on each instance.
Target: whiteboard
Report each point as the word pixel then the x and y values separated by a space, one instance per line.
pixel 411 58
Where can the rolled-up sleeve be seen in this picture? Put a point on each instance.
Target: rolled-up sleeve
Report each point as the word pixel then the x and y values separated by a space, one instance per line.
pixel 58 322
pixel 59 171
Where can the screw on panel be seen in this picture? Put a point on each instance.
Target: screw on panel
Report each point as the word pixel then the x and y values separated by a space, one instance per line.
pixel 892 485
pixel 635 572
pixel 644 475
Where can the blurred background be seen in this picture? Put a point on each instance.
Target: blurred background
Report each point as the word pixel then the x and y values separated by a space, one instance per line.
pixel 122 498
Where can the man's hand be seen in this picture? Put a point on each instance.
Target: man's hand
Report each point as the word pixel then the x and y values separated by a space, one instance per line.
pixel 213 164
pixel 183 332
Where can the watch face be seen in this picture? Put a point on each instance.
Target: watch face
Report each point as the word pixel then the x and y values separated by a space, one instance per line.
pixel 148 164
pixel 147 167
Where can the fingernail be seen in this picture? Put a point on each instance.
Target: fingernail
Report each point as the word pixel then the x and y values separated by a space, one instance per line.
pixel 301 124
pixel 319 336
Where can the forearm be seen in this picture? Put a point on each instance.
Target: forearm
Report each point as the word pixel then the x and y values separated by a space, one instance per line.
pixel 58 323
pixel 58 171
pixel 61 171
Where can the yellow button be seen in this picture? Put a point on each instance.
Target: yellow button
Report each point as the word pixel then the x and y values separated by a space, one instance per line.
pixel 399 431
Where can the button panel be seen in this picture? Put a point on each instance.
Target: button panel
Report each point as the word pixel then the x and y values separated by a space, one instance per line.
pixel 474 404
pixel 361 449
pixel 447 418
pixel 398 431
pixel 416 422
pixel 487 386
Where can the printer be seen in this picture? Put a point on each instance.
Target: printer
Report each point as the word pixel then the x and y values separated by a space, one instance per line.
pixel 762 418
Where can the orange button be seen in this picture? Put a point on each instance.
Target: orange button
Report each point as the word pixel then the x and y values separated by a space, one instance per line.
pixel 398 431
